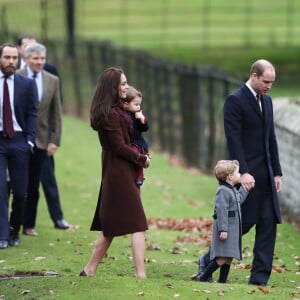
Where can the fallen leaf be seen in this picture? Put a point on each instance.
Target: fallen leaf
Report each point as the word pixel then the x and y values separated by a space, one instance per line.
pixel 2 261
pixel 170 285
pixel 40 258
pixel 25 292
pixel 251 292
pixel 176 296
pixel 175 250
pixel 187 261
pixel 153 247
pixel 220 293
pixel 206 291
pixel 150 260
pixel 263 289
pixel 140 293
pixel 196 290
pixel 278 269
pixel 294 294
pixel 72 283
pixel 73 227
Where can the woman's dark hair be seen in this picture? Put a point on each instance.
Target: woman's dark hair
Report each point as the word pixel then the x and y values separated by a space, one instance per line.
pixel 106 95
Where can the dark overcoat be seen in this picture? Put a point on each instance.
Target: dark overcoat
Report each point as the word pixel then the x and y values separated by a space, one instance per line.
pixel 251 140
pixel 227 217
pixel 119 209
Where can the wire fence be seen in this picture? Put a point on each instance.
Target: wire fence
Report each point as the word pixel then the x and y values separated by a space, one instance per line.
pixel 182 102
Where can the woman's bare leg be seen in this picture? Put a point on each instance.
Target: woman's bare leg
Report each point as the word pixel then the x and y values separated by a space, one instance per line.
pixel 101 245
pixel 138 251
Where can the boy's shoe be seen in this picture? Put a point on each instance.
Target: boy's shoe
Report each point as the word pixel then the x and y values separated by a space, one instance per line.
pixel 203 263
pixel 139 181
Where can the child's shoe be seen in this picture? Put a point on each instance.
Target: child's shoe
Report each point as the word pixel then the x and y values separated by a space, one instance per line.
pixel 139 181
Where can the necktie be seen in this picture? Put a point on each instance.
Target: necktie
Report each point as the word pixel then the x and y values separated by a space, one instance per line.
pixel 258 100
pixel 8 128
pixel 34 75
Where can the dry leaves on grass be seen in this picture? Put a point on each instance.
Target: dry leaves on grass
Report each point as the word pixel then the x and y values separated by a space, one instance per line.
pixel 187 224
pixel 295 295
pixel 201 225
pixel 275 269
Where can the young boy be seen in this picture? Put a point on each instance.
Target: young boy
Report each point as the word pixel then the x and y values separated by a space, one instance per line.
pixel 132 104
pixel 227 233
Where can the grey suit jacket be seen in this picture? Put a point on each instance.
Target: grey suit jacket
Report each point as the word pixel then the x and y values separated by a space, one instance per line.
pixel 49 120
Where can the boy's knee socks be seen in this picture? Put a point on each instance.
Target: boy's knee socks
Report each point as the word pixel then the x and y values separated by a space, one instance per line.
pixel 224 271
pixel 212 267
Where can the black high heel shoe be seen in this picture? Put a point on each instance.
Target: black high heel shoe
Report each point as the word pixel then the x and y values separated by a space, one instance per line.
pixel 82 273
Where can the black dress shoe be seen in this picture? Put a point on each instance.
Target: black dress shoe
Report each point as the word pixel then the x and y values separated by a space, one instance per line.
pixel 61 224
pixel 3 244
pixel 14 241
pixel 82 273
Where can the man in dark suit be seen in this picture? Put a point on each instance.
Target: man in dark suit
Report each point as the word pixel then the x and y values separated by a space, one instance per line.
pixel 48 178
pixel 16 143
pixel 251 139
pixel 48 127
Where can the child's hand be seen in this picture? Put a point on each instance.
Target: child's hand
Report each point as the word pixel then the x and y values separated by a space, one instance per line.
pixel 139 115
pixel 223 235
pixel 147 162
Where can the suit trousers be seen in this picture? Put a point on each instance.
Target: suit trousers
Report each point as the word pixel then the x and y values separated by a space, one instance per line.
pixel 50 188
pixel 35 167
pixel 264 244
pixel 14 156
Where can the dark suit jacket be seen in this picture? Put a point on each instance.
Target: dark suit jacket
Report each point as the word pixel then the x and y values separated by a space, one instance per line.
pixel 25 105
pixel 251 140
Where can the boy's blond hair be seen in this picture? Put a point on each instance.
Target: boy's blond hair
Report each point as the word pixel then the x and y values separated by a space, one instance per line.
pixel 225 167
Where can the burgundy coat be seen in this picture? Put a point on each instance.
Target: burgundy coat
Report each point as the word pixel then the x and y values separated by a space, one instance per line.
pixel 119 209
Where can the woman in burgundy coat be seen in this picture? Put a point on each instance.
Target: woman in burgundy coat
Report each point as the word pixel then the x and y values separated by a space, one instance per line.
pixel 119 209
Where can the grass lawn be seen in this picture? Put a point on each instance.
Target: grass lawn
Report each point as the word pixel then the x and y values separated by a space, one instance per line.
pixel 168 192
